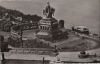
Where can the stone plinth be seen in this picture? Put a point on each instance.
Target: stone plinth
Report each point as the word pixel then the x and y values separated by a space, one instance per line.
pixel 46 28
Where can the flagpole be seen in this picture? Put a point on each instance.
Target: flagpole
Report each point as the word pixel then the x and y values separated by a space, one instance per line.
pixel 22 36
pixel 21 20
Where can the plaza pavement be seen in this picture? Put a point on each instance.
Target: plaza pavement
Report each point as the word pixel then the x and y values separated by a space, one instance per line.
pixel 73 56
pixel 63 56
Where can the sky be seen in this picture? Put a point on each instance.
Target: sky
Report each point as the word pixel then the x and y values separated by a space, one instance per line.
pixel 74 12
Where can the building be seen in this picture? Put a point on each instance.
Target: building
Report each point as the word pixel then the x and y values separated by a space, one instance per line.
pixel 61 24
pixel 5 23
pixel 15 32
pixel 30 25
pixel 81 29
pixel 15 38
pixel 3 45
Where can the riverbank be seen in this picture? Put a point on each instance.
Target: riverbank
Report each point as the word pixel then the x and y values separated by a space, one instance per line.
pixel 63 56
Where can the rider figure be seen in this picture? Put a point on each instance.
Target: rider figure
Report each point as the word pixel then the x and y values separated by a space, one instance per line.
pixel 48 11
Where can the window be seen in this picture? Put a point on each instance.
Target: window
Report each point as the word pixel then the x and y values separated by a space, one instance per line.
pixel 40 27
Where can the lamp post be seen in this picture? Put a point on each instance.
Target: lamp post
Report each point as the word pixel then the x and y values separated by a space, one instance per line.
pixel 43 60
pixel 22 35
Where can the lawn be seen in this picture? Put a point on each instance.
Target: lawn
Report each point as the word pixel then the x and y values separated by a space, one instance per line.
pixel 73 43
pixel 78 45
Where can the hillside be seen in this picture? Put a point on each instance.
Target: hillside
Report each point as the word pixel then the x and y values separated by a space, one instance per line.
pixel 15 13
pixel 7 16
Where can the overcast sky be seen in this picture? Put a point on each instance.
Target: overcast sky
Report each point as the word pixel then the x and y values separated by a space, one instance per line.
pixel 74 12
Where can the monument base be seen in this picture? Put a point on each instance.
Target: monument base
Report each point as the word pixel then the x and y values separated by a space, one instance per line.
pixel 47 26
pixel 45 36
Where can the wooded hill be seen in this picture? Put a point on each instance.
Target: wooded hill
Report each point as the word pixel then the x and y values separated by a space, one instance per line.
pixel 9 15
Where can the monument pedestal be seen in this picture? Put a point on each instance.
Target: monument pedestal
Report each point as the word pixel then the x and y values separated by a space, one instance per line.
pixel 47 26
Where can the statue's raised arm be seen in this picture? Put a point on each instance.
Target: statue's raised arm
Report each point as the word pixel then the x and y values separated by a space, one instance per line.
pixel 48 11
